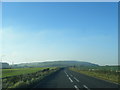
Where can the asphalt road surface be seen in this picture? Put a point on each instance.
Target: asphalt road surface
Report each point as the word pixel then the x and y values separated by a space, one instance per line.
pixel 65 78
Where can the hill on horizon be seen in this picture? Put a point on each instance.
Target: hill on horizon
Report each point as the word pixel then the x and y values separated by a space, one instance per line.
pixel 54 64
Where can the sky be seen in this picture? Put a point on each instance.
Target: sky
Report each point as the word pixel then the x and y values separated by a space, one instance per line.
pixel 38 32
pixel 60 0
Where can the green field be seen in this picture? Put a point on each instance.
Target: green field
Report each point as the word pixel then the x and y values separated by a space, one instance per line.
pixel 24 77
pixel 110 73
pixel 19 71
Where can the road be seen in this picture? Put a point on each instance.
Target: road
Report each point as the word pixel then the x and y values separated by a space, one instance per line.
pixel 65 78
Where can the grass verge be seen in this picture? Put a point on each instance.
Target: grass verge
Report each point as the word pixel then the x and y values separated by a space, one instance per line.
pixel 101 74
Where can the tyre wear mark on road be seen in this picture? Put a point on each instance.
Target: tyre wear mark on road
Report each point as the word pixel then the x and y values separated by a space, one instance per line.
pixel 76 87
pixel 86 87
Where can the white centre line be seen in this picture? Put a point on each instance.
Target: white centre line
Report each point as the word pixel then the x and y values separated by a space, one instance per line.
pixel 76 87
pixel 76 79
pixel 86 87
pixel 70 79
pixel 67 76
pixel 65 72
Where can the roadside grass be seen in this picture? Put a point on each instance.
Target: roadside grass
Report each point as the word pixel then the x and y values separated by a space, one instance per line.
pixel 25 79
pixel 111 76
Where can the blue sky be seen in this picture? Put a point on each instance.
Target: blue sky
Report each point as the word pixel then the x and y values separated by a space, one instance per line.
pixel 60 31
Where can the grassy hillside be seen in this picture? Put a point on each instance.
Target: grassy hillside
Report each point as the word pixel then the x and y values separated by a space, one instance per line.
pixel 110 73
pixel 55 64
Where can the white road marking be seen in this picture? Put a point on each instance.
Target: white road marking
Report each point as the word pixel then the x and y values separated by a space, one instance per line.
pixel 86 87
pixel 76 79
pixel 67 76
pixel 76 87
pixel 70 79
pixel 65 72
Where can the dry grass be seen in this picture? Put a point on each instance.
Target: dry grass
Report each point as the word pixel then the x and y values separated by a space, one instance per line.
pixel 105 75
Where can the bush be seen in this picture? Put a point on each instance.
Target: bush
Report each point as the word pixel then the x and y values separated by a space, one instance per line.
pixel 19 84
pixel 25 80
